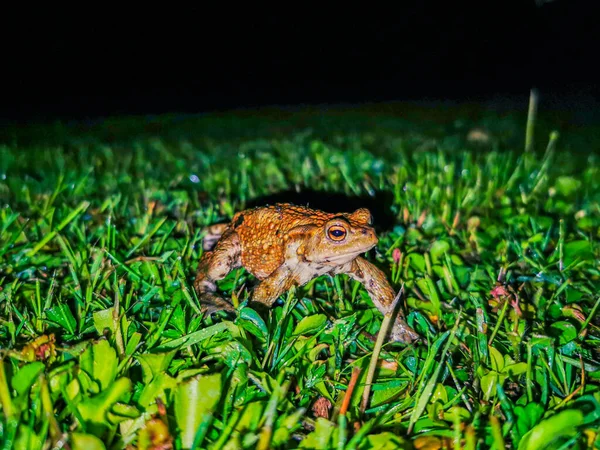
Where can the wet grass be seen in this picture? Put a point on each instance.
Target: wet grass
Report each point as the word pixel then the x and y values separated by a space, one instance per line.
pixel 103 344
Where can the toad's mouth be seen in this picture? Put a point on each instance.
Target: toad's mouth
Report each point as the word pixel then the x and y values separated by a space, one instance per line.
pixel 346 256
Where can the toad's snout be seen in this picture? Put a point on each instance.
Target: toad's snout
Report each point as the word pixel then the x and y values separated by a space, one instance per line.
pixel 368 234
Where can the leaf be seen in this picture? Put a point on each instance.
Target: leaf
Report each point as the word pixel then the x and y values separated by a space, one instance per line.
pixel 104 319
pixel 100 362
pixel 577 250
pixel 439 397
pixel 310 324
pixel 195 399
pixel 566 185
pixel 433 295
pixel 156 388
pixel 528 416
pixel 560 425
pixel 437 250
pixel 196 337
pixel 154 364
pixel 591 408
pixel 250 417
pixel 424 395
pixel 320 437
pixel 382 392
pixel 384 441
pixel 416 261
pixel 133 342
pixel 439 394
pixel 80 441
pixel 251 321
pixel 565 331
pixel 496 359
pixel 286 426
pixel 233 353
pixel 62 316
pixel 489 383
pixel 26 439
pixel 26 376
pixel 515 369
pixel 456 413
pixel 94 410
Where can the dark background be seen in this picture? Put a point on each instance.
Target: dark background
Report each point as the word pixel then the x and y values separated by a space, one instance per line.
pixel 107 61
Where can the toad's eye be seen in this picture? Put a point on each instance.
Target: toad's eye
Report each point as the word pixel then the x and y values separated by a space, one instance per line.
pixel 337 233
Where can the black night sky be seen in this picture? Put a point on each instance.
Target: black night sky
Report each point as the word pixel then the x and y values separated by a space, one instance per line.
pixel 107 62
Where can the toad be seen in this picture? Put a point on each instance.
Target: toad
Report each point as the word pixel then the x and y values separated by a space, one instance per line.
pixel 284 245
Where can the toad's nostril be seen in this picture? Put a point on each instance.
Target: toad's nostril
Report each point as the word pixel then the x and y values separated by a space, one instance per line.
pixel 364 232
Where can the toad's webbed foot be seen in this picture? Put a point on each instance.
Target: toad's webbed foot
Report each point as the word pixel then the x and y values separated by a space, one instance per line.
pixel 211 303
pixel 402 332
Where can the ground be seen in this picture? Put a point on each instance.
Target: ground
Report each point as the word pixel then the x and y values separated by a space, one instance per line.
pixel 103 343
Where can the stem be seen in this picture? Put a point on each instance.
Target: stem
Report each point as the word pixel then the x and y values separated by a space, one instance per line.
pixel 385 324
pixel 531 116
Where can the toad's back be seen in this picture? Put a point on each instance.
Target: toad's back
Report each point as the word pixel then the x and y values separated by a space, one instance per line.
pixel 262 232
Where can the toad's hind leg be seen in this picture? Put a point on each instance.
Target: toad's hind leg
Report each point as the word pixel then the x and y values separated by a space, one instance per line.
pixel 215 266
pixel 213 234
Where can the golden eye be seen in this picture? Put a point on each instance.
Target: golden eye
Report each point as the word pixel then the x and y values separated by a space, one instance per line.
pixel 336 233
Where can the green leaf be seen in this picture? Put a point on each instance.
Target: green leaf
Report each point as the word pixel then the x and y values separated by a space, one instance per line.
pixel 26 376
pixel 104 319
pixel 528 416
pixel 100 362
pixel 251 416
pixel 382 392
pixel 577 250
pixel 321 436
pixel 156 389
pixel 154 364
pixel 496 359
pixel 437 250
pixel 489 383
pixel 288 425
pixel 233 353
pixel 27 439
pixel 251 321
pixel 62 316
pixel 384 441
pixel 81 441
pixel 195 399
pixel 563 424
pixel 566 185
pixel 564 331
pixel 416 261
pixel 196 337
pixel 310 324
pixel 515 369
pixel 94 410
pixel 456 414
pixel 425 393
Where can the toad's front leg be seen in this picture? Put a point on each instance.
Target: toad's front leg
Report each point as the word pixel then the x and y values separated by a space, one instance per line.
pixel 381 294
pixel 269 289
pixel 215 266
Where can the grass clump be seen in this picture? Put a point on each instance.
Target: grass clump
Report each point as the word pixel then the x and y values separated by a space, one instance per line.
pixel 103 344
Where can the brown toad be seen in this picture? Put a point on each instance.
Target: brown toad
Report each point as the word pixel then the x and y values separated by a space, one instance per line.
pixel 286 245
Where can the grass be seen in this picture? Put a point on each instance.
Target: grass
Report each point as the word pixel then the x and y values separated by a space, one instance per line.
pixel 103 344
